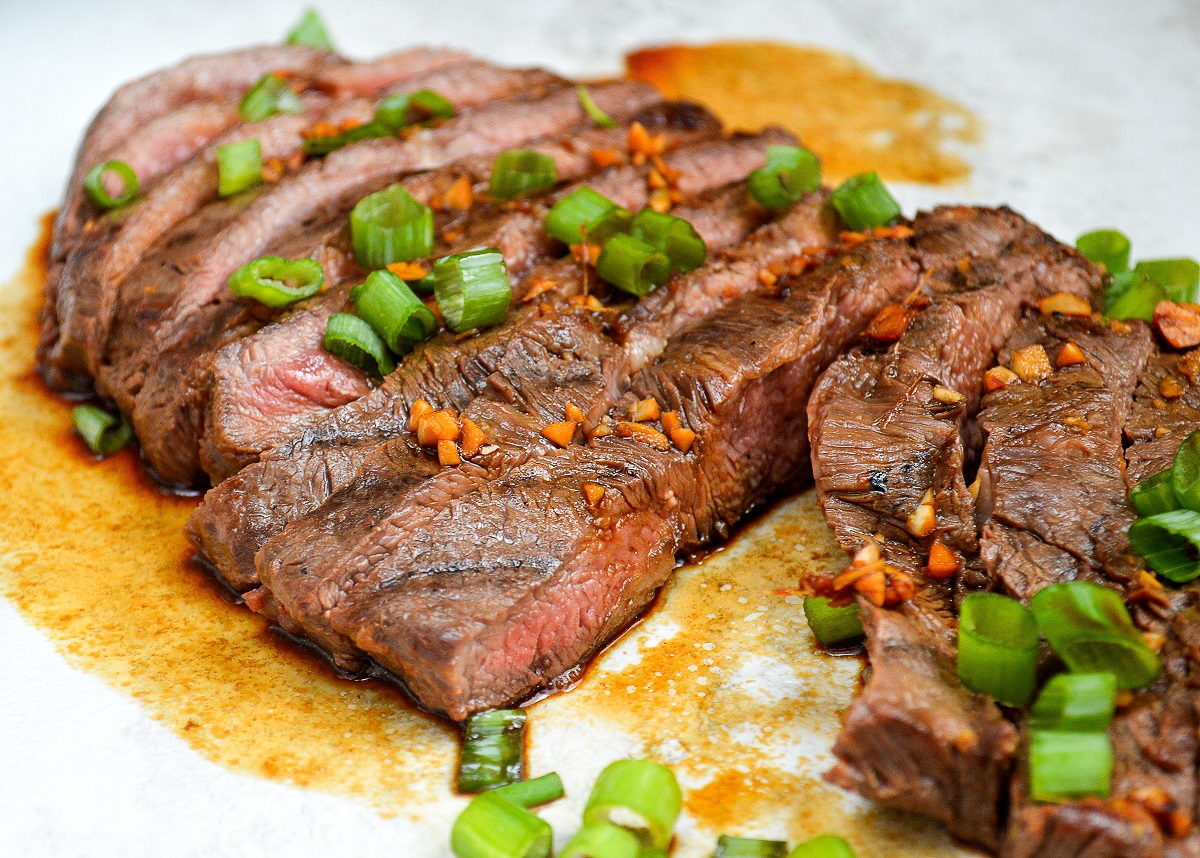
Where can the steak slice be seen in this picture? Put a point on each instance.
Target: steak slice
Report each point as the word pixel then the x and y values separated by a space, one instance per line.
pixel 239 515
pixel 477 594
pixel 1158 425
pixel 246 415
pixel 889 423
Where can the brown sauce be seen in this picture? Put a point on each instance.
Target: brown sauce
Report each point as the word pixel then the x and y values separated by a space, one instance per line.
pixel 852 117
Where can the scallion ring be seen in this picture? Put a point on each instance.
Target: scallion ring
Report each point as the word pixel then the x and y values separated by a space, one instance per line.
pixel 390 226
pixel 1075 703
pixel 521 172
pixel 1107 247
pixel 864 202
pixel 729 846
pixel 1132 295
pixel 833 626
pixel 615 220
pixel 355 342
pixel 277 282
pixel 1180 278
pixel 104 433
pixel 823 846
pixel 790 172
pixel 673 235
pixel 997 648
pixel 389 306
pixel 310 30
pixel 269 96
pixel 1155 494
pixel 403 109
pixel 602 119
pixel 632 265
pixel 239 166
pixel 1064 766
pixel 1089 627
pixel 472 288
pixel 325 144
pixel 429 104
pixel 639 795
pixel 603 840
pixel 532 793
pixel 93 184
pixel 1185 472
pixel 569 218
pixel 493 750
pixel 1169 543
pixel 494 827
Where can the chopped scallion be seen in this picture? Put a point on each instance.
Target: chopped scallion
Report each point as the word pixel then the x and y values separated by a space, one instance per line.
pixel 1154 494
pixel 640 795
pixel 864 202
pixel 269 96
pixel 104 433
pixel 390 226
pixel 1089 627
pixel 602 119
pixel 673 235
pixel 1075 703
pixel 93 184
pixel 493 750
pixel 310 30
pixel 823 846
pixel 569 218
pixel 632 265
pixel 615 220
pixel 833 626
pixel 1180 278
pixel 494 827
pixel 1185 473
pixel 1169 543
pixel 749 847
pixel 1064 766
pixel 533 792
pixel 997 648
pixel 1132 295
pixel 239 166
pixel 1106 247
pixel 325 144
pixel 520 172
pixel 790 172
pixel 603 840
pixel 472 288
pixel 355 342
pixel 277 282
pixel 401 110
pixel 389 306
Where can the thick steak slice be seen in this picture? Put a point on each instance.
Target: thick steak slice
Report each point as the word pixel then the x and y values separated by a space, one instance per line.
pixel 1158 424
pixel 239 515
pixel 887 425
pixel 245 418
pixel 500 585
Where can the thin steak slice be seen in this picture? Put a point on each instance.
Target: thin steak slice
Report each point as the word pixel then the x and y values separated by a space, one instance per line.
pixel 239 515
pixel 478 594
pixel 888 424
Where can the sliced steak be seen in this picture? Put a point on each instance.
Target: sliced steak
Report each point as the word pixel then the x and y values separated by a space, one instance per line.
pixel 480 592
pixel 1166 409
pixel 238 516
pixel 889 423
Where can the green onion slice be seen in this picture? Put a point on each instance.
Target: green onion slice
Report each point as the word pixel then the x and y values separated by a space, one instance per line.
pixel 269 96
pixel 389 306
pixel 239 166
pixel 1090 629
pixel 367 131
pixel 615 220
pixel 790 172
pixel 1169 543
pixel 1064 766
pixel 673 235
pixel 520 172
pixel 632 265
pixel 1155 494
pixel 533 792
pixel 493 750
pixel 749 847
pixel 1185 473
pixel 277 282
pixel 428 104
pixel 355 342
pixel 569 218
pixel 864 202
pixel 1133 295
pixel 390 226
pixel 310 30
pixel 997 648
pixel 1180 278
pixel 472 288
pixel 401 110
pixel 603 840
pixel 640 795
pixel 104 433
pixel 494 827
pixel 1106 247
pixel 93 184
pixel 823 846
pixel 602 119
pixel 833 626
pixel 1075 703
